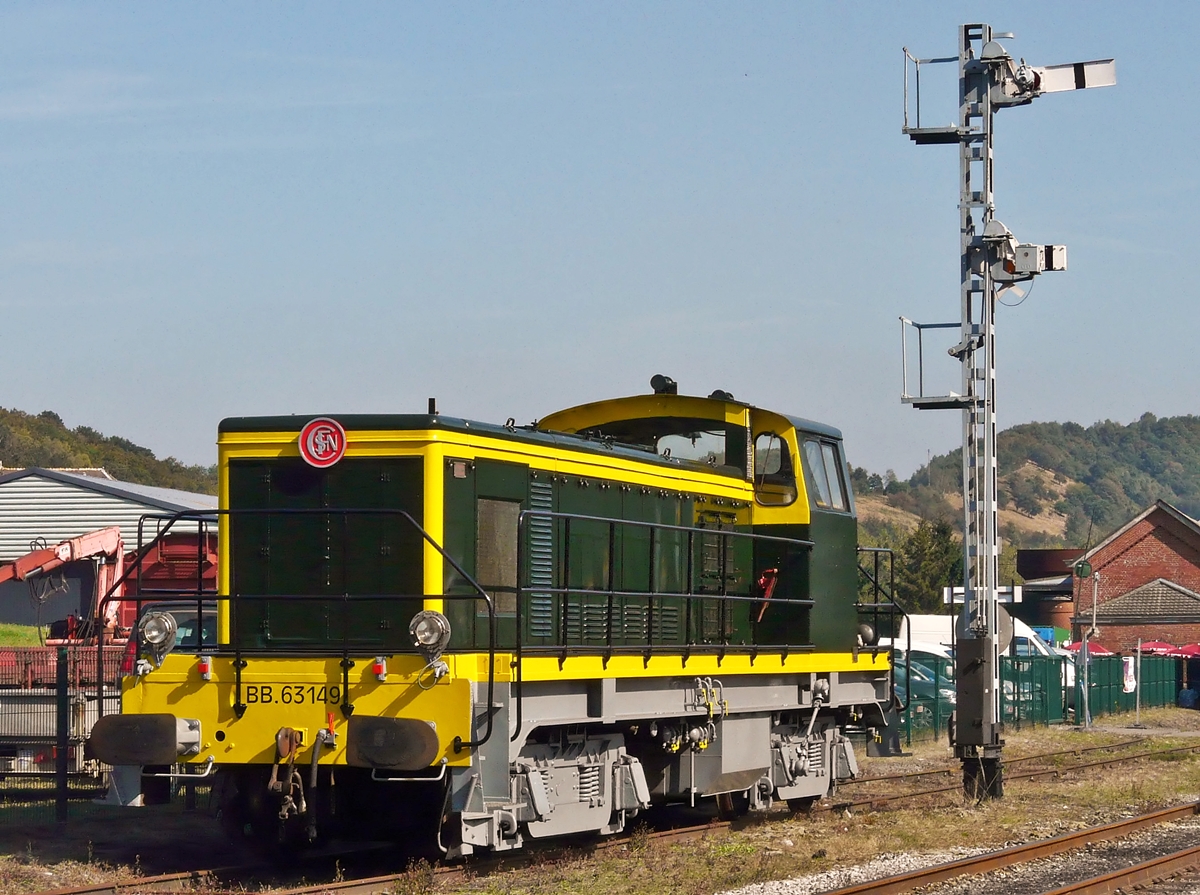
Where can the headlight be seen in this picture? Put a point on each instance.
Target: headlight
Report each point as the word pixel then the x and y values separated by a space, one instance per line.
pixel 430 632
pixel 157 627
pixel 157 630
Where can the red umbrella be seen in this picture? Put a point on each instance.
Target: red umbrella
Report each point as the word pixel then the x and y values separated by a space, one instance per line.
pixel 1157 646
pixel 1094 649
pixel 1190 651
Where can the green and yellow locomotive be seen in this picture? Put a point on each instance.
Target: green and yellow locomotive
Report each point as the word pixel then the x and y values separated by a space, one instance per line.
pixel 491 633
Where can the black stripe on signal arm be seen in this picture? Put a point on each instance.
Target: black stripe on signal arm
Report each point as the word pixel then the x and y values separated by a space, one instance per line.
pixel 1080 78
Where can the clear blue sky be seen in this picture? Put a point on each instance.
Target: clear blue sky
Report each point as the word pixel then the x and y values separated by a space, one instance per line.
pixel 214 210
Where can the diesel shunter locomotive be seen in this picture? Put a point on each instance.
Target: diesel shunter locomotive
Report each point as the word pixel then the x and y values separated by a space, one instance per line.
pixel 483 634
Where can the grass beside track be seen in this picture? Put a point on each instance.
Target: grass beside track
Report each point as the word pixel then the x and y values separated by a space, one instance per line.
pixel 21 635
pixel 781 846
pixel 757 849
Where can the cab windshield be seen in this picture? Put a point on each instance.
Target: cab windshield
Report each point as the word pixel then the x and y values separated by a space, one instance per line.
pixel 711 442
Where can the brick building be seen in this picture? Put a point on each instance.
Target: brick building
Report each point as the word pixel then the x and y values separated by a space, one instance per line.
pixel 1149 582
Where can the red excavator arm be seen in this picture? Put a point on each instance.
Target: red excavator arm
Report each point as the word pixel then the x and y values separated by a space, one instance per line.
pixel 105 542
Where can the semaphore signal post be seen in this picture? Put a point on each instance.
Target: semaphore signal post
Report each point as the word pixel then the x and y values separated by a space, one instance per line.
pixel 993 264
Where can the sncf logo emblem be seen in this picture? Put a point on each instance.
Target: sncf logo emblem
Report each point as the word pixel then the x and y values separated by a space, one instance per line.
pixel 322 442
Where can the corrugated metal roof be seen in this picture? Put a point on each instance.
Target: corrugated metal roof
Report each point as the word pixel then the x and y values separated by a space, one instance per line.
pixel 53 506
pixel 95 472
pixel 169 499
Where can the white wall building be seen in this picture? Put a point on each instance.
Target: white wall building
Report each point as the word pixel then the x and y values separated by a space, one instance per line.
pixel 46 505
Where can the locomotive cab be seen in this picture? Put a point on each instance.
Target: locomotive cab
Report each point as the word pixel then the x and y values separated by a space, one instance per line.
pixel 795 470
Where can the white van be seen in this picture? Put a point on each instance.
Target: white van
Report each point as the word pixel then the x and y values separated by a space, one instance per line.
pixel 939 629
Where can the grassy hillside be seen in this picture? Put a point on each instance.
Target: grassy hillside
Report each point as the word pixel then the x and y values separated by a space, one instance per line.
pixel 1060 483
pixel 43 440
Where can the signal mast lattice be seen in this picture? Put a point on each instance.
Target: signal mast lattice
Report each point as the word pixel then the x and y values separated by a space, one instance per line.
pixel 991 263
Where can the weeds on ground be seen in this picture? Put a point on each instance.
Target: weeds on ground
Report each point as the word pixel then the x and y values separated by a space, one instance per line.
pixel 785 846
pixel 417 879
pixel 639 838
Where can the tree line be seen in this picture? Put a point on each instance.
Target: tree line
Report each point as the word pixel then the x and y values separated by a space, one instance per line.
pixel 1109 472
pixel 44 440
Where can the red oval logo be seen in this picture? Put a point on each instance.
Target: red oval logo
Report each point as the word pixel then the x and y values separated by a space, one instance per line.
pixel 322 442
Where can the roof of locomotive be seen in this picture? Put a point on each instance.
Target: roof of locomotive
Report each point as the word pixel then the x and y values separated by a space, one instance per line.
pixel 610 410
pixel 636 406
pixel 413 421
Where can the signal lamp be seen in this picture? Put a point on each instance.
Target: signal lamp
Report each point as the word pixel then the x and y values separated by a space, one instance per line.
pixel 663 385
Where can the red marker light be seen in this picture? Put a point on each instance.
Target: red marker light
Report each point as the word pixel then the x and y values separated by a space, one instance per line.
pixel 129 657
pixel 204 666
pixel 380 668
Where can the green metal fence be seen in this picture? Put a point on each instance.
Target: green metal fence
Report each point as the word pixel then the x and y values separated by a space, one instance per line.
pixel 927 714
pixel 1033 693
pixel 1044 690
pixel 1032 690
pixel 1106 675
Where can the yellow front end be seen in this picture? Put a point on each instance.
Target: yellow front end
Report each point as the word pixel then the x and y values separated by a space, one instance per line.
pixel 305 695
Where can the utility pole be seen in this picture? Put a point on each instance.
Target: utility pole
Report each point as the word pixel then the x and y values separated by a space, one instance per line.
pixel 992 264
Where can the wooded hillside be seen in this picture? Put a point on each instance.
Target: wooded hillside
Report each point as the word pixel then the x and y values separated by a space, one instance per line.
pixel 1060 485
pixel 1070 484
pixel 43 440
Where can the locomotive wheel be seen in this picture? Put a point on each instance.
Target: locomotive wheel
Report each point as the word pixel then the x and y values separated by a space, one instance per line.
pixel 802 805
pixel 732 805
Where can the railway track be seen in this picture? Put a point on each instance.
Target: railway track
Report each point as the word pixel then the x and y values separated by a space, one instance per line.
pixel 442 873
pixel 1150 875
pixel 1008 762
pixel 877 801
pixel 1033 851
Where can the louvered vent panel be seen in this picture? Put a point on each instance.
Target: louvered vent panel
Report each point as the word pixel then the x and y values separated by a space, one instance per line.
pixel 541 560
pixel 666 624
pixel 594 623
pixel 633 623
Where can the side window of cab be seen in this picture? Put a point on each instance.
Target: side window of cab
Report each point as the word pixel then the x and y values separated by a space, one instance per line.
pixel 774 477
pixel 823 463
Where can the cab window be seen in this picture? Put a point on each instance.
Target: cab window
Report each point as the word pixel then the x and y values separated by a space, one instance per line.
pixel 720 446
pixel 825 471
pixel 774 479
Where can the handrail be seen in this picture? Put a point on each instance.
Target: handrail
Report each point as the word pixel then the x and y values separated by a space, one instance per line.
pixel 207 516
pixel 665 526
pixel 890 593
pixel 202 519
pixel 611 592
